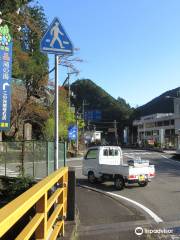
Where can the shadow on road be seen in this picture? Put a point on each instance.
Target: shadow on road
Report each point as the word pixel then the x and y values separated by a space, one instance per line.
pixel 105 186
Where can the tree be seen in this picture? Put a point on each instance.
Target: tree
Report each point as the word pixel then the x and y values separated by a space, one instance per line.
pixel 111 108
pixel 32 111
pixel 29 64
pixel 125 107
pixel 66 117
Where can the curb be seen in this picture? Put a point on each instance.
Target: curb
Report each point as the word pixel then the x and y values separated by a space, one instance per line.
pixel 72 233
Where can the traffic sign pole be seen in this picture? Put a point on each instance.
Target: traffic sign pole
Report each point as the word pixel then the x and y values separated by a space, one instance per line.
pixel 57 42
pixel 56 112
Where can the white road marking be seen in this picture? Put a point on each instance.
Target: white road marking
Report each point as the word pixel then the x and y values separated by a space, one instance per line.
pixel 147 210
pixel 126 155
pixel 137 153
pixel 74 159
pixel 171 161
pixel 77 166
pixel 165 157
pixel 156 218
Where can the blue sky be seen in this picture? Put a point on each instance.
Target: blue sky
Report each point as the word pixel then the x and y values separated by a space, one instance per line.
pixel 131 48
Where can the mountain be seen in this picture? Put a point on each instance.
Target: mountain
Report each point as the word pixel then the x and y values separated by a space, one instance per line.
pixel 96 98
pixel 160 104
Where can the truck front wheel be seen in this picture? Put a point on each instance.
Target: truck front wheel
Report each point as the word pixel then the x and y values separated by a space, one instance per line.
pixel 91 177
pixel 119 183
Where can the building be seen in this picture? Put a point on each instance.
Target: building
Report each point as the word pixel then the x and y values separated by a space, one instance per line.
pixel 160 129
pixel 92 136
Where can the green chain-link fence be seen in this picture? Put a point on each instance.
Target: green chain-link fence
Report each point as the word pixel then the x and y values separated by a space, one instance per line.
pixel 34 158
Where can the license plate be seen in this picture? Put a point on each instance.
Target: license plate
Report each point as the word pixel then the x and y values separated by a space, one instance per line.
pixel 141 178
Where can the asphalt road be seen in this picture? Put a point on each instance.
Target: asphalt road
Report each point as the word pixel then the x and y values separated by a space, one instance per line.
pixel 162 195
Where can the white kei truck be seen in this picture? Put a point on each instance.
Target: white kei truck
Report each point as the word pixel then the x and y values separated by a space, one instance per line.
pixel 105 163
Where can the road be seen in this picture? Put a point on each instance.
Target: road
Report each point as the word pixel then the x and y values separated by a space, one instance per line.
pixel 162 195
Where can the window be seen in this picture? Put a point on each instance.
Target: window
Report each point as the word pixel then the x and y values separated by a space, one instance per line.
pixel 166 123
pixel 160 123
pixel 92 154
pixel 116 152
pixel 105 152
pixel 167 132
pixel 110 152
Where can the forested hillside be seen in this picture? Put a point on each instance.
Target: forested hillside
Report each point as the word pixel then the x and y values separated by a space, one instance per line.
pixel 96 98
pixel 160 104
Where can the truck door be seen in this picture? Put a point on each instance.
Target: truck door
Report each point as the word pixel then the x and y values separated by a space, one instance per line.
pixel 91 161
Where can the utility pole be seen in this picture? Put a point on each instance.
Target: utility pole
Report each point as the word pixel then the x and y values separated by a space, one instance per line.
pixel 56 111
pixel 83 104
pixel 115 131
pixel 69 91
pixel 77 139
pixel 83 112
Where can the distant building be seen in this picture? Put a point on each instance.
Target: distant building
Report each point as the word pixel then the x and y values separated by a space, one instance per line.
pixel 161 129
pixel 92 136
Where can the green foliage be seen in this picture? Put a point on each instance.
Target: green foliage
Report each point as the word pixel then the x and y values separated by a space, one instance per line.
pixel 66 117
pixel 17 186
pixel 29 64
pixel 157 144
pixel 11 6
pixel 49 128
pixel 125 108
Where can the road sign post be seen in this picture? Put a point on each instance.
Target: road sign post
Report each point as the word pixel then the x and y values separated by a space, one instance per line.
pixel 56 112
pixel 56 41
pixel 73 132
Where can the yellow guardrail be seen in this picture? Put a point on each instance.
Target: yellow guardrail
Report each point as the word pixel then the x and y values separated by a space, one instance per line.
pixel 44 225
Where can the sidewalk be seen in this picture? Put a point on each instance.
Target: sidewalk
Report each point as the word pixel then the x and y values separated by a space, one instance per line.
pixel 101 217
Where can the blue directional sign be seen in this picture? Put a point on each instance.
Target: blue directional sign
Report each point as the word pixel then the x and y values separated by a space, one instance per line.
pixel 5 77
pixel 94 115
pixel 72 132
pixel 56 40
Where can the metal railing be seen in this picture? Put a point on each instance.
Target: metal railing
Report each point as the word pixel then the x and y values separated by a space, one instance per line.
pixel 50 210
pixel 33 158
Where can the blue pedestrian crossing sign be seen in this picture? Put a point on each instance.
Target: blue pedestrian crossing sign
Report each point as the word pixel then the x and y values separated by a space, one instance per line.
pixel 72 132
pixel 56 40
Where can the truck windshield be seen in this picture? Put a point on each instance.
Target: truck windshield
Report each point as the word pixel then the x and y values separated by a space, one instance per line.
pixel 91 154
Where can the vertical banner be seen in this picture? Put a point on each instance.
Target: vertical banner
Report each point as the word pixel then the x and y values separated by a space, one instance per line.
pixel 5 77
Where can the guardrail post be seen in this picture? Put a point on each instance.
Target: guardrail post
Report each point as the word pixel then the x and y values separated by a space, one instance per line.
pixel 41 207
pixel 33 160
pixel 61 201
pixel 71 195
pixel 5 161
pixel 65 146
pixel 47 158
pixel 65 193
